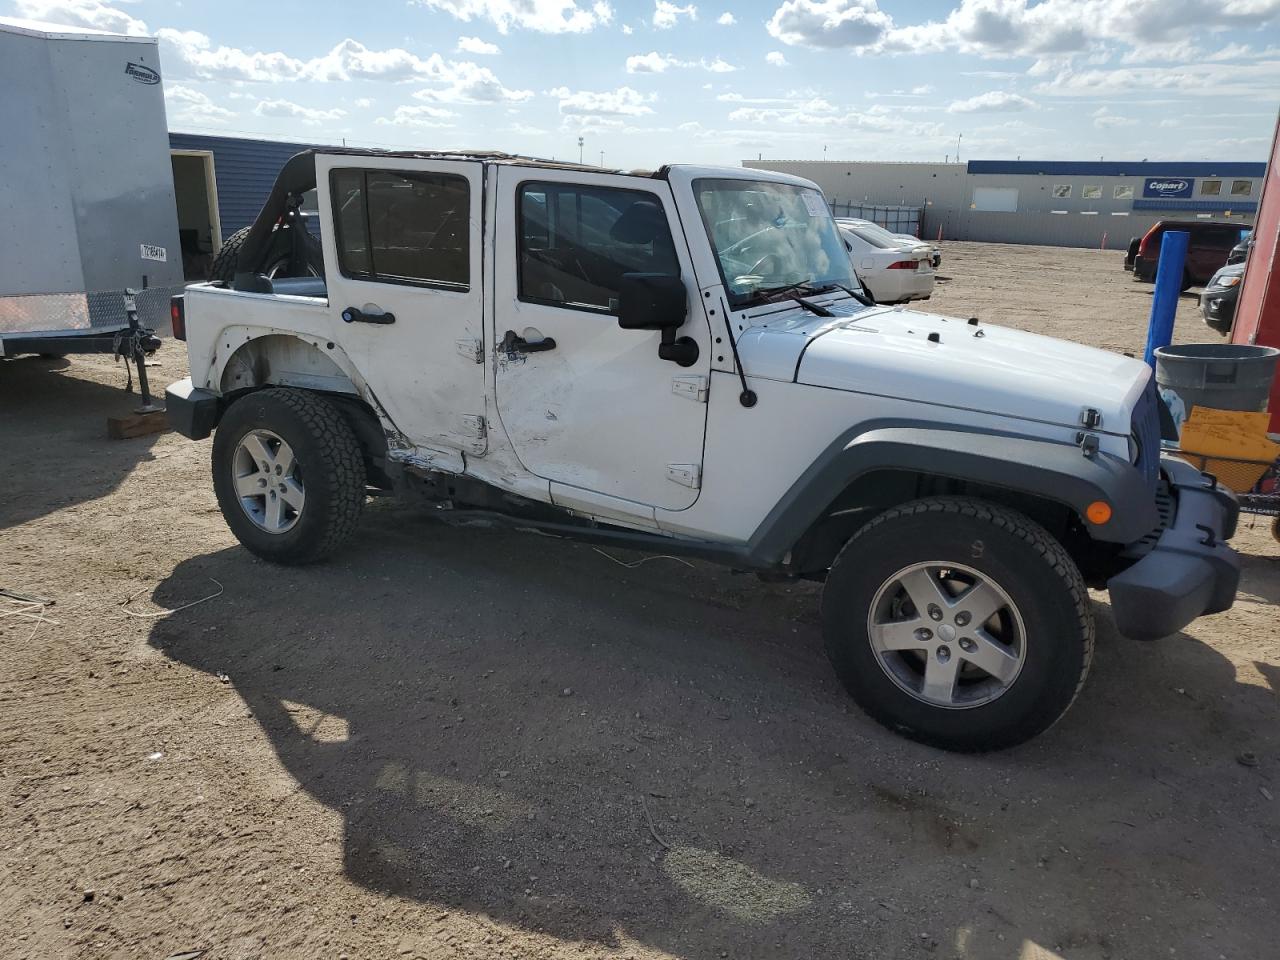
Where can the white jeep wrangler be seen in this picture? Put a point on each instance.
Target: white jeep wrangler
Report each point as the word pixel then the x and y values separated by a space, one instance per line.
pixel 683 361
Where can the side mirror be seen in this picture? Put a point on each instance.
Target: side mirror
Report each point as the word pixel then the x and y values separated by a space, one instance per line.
pixel 652 301
pixel 658 301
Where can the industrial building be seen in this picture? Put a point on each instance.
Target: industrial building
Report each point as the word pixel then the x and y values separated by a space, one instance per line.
pixel 1058 203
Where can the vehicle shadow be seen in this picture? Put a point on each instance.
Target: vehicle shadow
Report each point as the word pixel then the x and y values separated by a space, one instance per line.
pixel 527 730
pixel 53 418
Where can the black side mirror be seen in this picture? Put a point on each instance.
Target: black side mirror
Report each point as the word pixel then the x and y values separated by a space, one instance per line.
pixel 652 301
pixel 658 301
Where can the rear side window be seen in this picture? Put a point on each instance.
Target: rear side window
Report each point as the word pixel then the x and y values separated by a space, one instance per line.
pixel 575 242
pixel 403 227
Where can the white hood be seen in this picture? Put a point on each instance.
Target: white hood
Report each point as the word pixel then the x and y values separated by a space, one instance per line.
pixel 984 368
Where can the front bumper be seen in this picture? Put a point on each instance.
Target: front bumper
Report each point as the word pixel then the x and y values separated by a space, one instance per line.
pixel 1190 571
pixel 1218 306
pixel 191 411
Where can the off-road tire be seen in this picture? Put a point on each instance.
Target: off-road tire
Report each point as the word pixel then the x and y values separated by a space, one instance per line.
pixel 330 460
pixel 1010 549
pixel 224 263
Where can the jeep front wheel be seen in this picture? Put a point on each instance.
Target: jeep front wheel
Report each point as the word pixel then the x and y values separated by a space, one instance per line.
pixel 289 475
pixel 958 623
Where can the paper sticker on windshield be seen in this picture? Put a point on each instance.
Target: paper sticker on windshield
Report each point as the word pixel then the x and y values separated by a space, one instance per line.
pixel 814 203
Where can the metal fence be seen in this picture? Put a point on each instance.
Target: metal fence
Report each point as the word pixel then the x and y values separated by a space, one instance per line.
pixel 894 218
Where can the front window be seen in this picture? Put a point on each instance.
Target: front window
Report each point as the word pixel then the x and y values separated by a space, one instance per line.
pixel 772 236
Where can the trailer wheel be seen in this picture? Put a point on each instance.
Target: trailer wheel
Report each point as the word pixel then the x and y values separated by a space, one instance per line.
pixel 289 475
pixel 959 623
pixel 224 264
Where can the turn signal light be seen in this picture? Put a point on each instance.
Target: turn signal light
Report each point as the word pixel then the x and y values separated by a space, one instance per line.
pixel 1098 512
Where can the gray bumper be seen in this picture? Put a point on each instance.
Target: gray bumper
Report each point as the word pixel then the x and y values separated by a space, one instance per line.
pixel 1190 571
pixel 191 411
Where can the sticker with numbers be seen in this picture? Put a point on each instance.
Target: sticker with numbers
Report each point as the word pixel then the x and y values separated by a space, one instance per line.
pixel 152 252
pixel 814 203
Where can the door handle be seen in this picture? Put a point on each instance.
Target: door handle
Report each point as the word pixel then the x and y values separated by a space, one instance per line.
pixel 356 315
pixel 512 344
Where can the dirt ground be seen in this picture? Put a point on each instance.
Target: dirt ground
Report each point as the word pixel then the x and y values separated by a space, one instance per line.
pixel 465 743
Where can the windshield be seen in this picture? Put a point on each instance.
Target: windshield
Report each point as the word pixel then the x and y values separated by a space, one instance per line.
pixel 772 236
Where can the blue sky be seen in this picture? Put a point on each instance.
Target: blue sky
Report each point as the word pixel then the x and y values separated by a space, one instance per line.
pixel 661 81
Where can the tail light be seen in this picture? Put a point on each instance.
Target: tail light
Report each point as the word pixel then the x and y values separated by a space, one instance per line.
pixel 904 265
pixel 1143 243
pixel 178 315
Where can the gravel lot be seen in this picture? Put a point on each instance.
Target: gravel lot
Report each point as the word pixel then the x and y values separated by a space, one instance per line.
pixel 466 743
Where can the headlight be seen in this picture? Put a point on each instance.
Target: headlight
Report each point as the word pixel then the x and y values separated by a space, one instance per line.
pixel 1229 281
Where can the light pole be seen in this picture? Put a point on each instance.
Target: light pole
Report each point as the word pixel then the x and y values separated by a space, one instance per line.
pixel 579 149
pixel 602 158
pixel 958 136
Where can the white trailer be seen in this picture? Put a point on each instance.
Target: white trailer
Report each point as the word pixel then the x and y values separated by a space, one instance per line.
pixel 87 205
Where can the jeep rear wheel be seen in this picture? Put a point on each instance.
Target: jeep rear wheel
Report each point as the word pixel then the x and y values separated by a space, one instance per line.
pixel 958 623
pixel 289 475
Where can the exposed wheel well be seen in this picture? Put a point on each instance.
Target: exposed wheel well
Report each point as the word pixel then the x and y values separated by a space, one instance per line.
pixel 280 360
pixel 872 493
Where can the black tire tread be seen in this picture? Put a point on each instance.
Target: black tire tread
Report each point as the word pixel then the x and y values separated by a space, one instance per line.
pixel 341 474
pixel 1035 536
pixel 224 264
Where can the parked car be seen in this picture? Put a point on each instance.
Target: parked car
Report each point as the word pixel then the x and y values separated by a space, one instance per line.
pixel 679 362
pixel 893 272
pixel 906 239
pixel 1211 242
pixel 1240 252
pixel 1219 297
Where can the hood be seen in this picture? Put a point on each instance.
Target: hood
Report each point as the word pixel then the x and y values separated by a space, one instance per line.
pixel 984 368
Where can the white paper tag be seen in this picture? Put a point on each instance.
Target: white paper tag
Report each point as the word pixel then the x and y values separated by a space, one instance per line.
pixel 152 252
pixel 814 203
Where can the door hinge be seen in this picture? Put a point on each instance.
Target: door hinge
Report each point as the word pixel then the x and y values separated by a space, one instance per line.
pixel 473 350
pixel 691 388
pixel 685 474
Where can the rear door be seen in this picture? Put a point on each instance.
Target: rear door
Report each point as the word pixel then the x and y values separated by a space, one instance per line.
pixel 403 245
pixel 617 430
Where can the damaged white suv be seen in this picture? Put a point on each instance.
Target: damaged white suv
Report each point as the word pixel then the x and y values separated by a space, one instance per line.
pixel 683 361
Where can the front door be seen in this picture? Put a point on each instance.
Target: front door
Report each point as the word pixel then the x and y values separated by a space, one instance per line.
pixel 615 429
pixel 402 241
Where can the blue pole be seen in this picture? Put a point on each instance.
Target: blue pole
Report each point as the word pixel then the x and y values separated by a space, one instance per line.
pixel 1164 302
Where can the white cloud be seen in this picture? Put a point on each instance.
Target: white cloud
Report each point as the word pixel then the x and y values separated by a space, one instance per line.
pixel 626 29
pixel 1257 81
pixel 621 102
pixel 1019 28
pixel 457 81
pixel 775 59
pixel 475 45
pixel 829 23
pixel 1104 119
pixel 294 111
pixel 364 103
pixel 655 62
pixel 667 14
pixel 994 101
pixel 82 13
pixel 418 116
pixel 726 19
pixel 185 105
pixel 542 16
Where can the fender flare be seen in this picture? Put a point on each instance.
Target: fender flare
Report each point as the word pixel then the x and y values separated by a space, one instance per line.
pixel 1052 471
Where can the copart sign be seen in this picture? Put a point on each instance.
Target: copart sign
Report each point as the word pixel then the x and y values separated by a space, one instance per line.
pixel 1167 188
